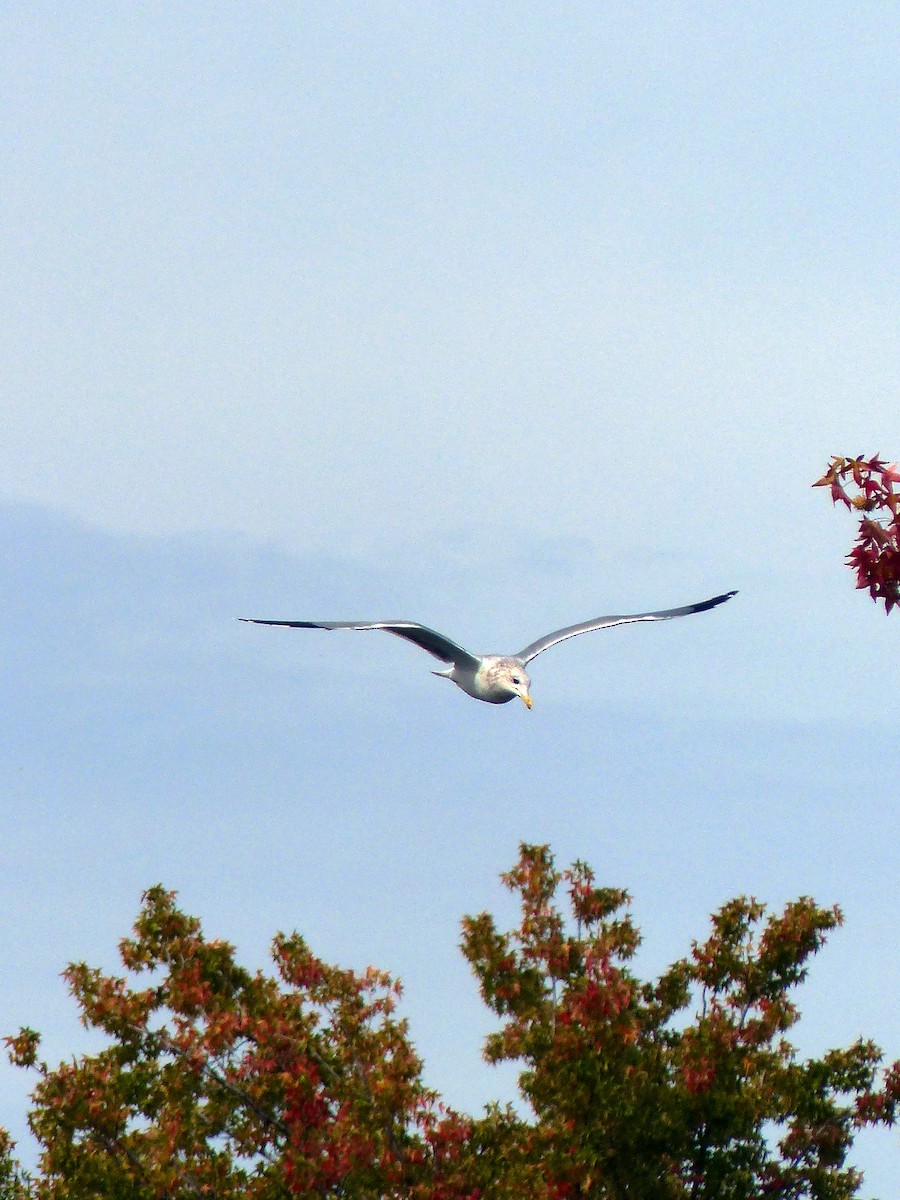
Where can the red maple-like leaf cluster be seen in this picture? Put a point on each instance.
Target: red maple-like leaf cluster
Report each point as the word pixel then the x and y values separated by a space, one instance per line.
pixel 876 555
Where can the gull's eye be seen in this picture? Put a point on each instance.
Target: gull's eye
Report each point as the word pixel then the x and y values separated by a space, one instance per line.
pixel 516 679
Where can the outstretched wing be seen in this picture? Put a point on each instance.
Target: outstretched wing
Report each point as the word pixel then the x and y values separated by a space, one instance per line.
pixel 665 614
pixel 429 639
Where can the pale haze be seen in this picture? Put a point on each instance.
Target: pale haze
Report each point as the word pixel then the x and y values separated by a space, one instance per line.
pixel 493 320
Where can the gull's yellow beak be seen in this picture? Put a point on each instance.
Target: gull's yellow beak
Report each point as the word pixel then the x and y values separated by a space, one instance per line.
pixel 526 699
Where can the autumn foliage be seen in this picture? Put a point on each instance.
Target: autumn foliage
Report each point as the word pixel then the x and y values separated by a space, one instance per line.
pixel 220 1082
pixel 867 486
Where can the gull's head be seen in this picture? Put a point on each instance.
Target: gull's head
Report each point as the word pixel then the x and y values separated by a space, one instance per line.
pixel 515 680
pixel 498 680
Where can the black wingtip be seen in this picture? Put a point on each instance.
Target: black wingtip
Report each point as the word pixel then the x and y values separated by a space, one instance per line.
pixel 716 600
pixel 286 624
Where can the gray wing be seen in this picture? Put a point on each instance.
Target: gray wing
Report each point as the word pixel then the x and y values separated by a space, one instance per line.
pixel 429 639
pixel 665 614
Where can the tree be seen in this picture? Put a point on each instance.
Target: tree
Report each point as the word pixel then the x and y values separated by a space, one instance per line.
pixel 220 1082
pixel 876 555
pixel 634 1098
pixel 14 1184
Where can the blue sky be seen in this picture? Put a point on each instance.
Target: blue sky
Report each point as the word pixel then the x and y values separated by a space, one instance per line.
pixel 493 320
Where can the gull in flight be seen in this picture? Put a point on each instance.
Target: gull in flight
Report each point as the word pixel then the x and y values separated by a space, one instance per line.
pixel 494 678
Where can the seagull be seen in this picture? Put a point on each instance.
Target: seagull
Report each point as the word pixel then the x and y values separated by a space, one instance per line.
pixel 493 678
